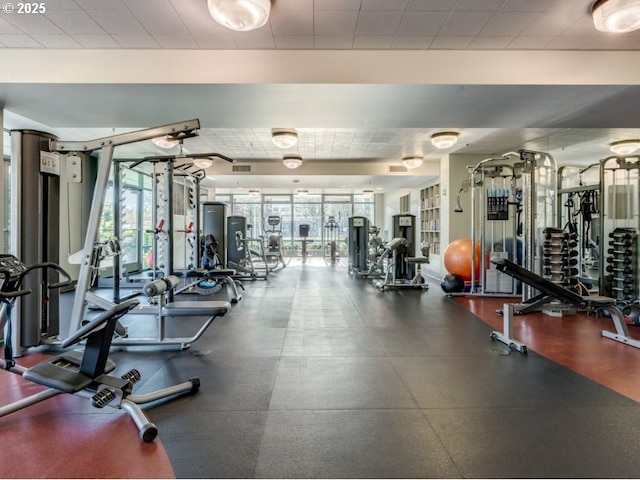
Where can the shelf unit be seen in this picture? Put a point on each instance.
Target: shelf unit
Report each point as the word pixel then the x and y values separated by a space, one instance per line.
pixel 430 218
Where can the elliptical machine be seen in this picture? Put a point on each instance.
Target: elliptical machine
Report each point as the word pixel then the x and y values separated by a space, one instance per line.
pixel 274 252
pixel 332 229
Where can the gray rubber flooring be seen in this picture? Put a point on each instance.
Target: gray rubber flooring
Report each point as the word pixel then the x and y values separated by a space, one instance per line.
pixel 315 374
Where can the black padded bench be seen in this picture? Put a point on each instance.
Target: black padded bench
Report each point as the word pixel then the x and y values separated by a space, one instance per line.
pixel 550 292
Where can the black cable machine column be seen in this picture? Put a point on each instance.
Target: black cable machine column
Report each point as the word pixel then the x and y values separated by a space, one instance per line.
pixel 35 187
pixel 404 226
pixel 214 223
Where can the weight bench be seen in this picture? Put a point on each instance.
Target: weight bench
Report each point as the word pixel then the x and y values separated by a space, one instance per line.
pixel 552 292
pixel 86 374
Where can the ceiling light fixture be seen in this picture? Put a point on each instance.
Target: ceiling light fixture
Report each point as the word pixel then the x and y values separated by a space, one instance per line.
pixel 444 139
pixel 284 138
pixel 292 161
pixel 202 163
pixel 625 147
pixel 616 16
pixel 164 142
pixel 412 162
pixel 240 15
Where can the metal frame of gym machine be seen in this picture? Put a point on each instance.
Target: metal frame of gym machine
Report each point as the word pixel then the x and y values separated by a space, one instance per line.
pixel 573 180
pixel 537 172
pixel 83 295
pixel 619 200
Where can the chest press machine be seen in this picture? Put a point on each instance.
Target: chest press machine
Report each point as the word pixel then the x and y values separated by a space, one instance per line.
pixel 551 292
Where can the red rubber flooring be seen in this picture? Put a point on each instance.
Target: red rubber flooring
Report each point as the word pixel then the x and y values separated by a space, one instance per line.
pixel 573 341
pixel 65 437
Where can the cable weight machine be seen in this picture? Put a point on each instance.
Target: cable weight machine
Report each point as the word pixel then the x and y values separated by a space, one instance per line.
pixel 513 200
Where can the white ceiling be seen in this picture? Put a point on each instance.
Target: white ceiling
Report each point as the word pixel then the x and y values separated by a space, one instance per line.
pixel 89 68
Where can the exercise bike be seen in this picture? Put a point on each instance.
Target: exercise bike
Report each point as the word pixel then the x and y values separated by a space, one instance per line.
pixel 83 373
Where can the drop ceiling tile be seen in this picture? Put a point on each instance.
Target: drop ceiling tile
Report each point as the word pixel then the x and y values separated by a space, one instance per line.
pixel 96 41
pixel 465 23
pixel 526 5
pixel 61 5
pixel 294 42
pixel 411 43
pixel 158 17
pixel 215 40
pixel 33 24
pixel 595 43
pixel 524 42
pixel 580 6
pixel 422 23
pixel 136 41
pixel 584 28
pixel 7 28
pixel 384 4
pixel 292 22
pixel 101 4
pixel 11 40
pixel 552 24
pixel 74 22
pixel 280 5
pixel 57 41
pixel 322 5
pixel 431 5
pixel 254 40
pixel 175 41
pixel 478 5
pixel 451 43
pixel 508 23
pixel 378 23
pixel 121 22
pixel 490 42
pixel 331 42
pixel 334 23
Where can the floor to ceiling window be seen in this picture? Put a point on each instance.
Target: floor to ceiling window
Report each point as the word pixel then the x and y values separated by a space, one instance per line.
pixel 295 210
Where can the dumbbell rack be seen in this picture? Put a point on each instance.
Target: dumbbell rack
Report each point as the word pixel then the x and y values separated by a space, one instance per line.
pixel 622 264
pixel 559 257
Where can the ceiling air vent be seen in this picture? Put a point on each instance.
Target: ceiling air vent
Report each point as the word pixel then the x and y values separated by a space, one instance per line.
pixel 241 168
pixel 398 169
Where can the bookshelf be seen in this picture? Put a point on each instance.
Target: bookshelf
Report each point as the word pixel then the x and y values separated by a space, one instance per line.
pixel 430 218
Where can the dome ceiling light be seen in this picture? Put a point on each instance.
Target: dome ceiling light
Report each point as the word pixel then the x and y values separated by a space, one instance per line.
pixel 616 16
pixel 240 15
pixel 284 138
pixel 625 147
pixel 444 139
pixel 412 162
pixel 165 142
pixel 292 161
pixel 202 163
